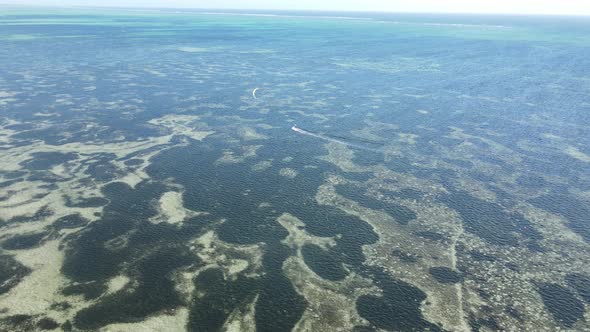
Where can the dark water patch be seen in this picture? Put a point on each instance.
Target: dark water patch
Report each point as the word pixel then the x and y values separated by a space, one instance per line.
pixel 233 192
pixel 490 221
pixel 154 292
pixel 49 186
pixel 89 202
pixel 279 306
pixel 18 323
pixel 561 303
pixel 441 175
pixel 17 319
pixel 350 245
pixel 513 312
pixel 221 296
pixel 434 236
pixel 358 176
pixel 405 256
pixel 229 196
pixel 324 263
pixel 531 181
pixel 401 214
pixel 581 283
pixel 132 129
pixel 550 162
pixel 149 235
pixel 45 176
pixel 368 158
pixel 448 142
pixel 483 323
pixel 577 212
pixel 401 165
pixel 46 160
pixel 484 294
pixel 8 183
pixel 11 273
pixel 67 326
pixel 60 306
pixel 535 247
pixel 512 266
pixel 404 193
pixel 20 126
pixel 445 275
pixel 398 309
pixel 249 228
pixel 496 161
pixel 47 324
pixel 458 162
pixel 27 241
pixel 482 177
pixel 90 290
pixel 42 213
pixel 70 221
pixel 503 197
pixel 133 162
pixel 352 232
pixel 13 174
pixel 581 183
pixel 40 195
pixel 102 170
pixel 88 257
pixel 485 146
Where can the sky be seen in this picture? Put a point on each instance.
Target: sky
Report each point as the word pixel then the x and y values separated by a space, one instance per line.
pixel 558 7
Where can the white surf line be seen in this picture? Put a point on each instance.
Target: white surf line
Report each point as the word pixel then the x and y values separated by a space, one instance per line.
pixel 254 93
pixel 330 139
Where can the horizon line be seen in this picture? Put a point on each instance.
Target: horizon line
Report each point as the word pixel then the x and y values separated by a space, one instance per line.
pixel 154 8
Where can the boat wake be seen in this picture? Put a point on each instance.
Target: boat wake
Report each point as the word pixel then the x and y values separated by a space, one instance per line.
pixel 335 140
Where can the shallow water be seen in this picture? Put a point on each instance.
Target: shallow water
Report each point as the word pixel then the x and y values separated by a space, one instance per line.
pixel 438 179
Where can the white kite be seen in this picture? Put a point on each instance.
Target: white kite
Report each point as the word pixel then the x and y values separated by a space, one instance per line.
pixel 254 93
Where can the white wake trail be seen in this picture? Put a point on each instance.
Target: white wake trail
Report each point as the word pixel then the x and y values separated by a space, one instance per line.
pixel 331 139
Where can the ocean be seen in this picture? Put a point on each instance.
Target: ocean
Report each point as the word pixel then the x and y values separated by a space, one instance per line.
pixel 200 170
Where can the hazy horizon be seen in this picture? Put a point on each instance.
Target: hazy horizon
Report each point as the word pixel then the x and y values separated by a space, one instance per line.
pixel 527 7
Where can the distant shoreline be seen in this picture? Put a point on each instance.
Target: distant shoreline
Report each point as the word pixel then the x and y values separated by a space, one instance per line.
pixel 302 12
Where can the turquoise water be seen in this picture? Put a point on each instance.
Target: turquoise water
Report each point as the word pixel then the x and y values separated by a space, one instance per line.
pixel 277 171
